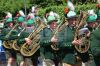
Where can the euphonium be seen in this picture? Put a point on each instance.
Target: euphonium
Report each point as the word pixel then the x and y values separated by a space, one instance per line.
pixel 84 46
pixel 8 43
pixel 29 50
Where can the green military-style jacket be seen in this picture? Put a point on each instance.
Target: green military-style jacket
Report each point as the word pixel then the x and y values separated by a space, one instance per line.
pixel 45 43
pixel 95 42
pixel 24 34
pixel 65 38
pixel 12 36
pixel 95 46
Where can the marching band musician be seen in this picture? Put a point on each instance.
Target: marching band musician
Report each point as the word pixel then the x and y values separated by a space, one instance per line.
pixel 30 27
pixel 20 18
pixel 95 46
pixel 11 55
pixel 46 41
pixel 66 40
pixel 91 25
pixel 94 40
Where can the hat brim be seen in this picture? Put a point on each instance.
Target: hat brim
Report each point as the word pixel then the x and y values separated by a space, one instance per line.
pixel 51 21
pixel 72 17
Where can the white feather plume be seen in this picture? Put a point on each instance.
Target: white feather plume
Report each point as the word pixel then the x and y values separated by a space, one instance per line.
pixel 70 5
pixel 21 13
pixel 51 13
pixel 9 14
pixel 91 12
pixel 33 9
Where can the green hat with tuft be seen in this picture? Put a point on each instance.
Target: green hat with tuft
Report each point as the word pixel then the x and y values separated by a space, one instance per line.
pixel 9 20
pixel 91 18
pixel 30 22
pixel 51 18
pixel 21 19
pixel 71 14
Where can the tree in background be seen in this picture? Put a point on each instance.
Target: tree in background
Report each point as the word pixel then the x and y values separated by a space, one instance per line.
pixel 12 6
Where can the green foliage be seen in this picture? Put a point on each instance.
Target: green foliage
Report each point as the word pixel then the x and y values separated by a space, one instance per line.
pixel 60 9
pixel 15 5
pixel 12 6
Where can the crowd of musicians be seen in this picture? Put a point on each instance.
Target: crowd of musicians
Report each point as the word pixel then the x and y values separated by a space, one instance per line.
pixel 73 40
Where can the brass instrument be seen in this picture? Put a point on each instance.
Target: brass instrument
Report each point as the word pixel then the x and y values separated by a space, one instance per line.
pixel 14 45
pixel 84 46
pixel 29 50
pixel 58 28
pixel 8 43
pixel 98 26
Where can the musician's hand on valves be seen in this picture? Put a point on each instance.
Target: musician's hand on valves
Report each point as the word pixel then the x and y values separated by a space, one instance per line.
pixel 54 39
pixel 28 41
pixel 77 42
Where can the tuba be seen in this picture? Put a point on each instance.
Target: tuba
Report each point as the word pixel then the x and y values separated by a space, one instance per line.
pixel 29 50
pixel 8 43
pixel 84 46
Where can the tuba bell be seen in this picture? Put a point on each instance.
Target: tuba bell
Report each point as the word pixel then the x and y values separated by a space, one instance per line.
pixel 29 50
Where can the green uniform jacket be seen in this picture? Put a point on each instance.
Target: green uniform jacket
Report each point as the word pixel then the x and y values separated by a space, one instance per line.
pixel 95 42
pixel 65 38
pixel 12 36
pixel 45 43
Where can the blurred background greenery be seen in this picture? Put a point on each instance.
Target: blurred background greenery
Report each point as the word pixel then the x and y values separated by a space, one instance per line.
pixel 58 6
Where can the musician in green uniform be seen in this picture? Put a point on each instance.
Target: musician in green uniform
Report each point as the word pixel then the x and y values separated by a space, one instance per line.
pixel 66 40
pixel 46 41
pixel 6 36
pixel 95 45
pixel 91 24
pixel 30 27
pixel 94 40
pixel 20 18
